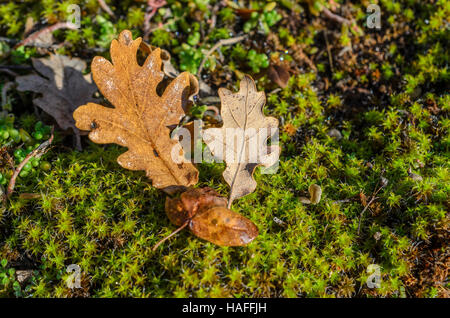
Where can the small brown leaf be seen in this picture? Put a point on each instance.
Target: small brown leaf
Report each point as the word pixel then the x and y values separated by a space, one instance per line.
pixel 279 75
pixel 63 87
pixel 141 118
pixel 244 13
pixel 363 199
pixel 243 118
pixel 206 214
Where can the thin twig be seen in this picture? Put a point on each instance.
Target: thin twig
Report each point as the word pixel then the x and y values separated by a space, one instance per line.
pixel 373 198
pixel 364 210
pixel 163 25
pixel 51 29
pixel 105 8
pixel 38 152
pixel 5 90
pixel 330 58
pixel 152 7
pixel 16 67
pixel 170 235
pixel 215 47
pixel 341 201
pixel 9 40
pixel 9 72
pixel 337 18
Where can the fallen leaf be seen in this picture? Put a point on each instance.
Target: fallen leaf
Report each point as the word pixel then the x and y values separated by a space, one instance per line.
pixel 243 119
pixel 141 118
pixel 207 217
pixel 63 87
pixel 290 129
pixel 279 75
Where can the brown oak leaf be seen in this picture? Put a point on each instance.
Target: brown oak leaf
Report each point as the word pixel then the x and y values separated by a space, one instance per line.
pixel 141 118
pixel 63 87
pixel 206 215
pixel 242 141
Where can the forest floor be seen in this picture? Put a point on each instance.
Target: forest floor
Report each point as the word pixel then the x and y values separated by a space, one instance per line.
pixel 363 113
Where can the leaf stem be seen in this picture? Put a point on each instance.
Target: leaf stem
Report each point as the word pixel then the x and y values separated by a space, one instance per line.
pixel 170 235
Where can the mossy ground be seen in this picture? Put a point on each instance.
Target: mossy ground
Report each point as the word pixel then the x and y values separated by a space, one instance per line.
pixel 387 96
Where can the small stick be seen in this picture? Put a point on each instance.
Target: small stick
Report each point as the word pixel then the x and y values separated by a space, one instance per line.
pixel 51 29
pixel 337 18
pixel 38 152
pixel 369 203
pixel 9 72
pixel 364 210
pixel 170 235
pixel 105 7
pixel 330 58
pixel 8 40
pixel 341 201
pixel 153 5
pixel 215 47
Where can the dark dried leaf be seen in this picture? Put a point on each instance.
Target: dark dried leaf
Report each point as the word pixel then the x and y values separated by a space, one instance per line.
pixel 279 75
pixel 208 218
pixel 63 87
